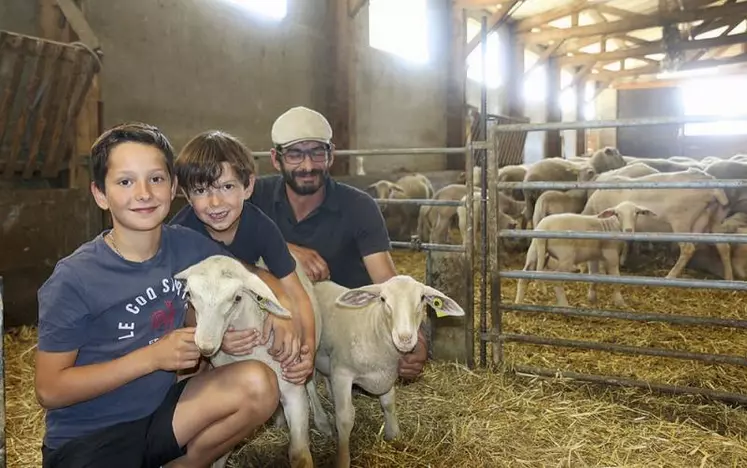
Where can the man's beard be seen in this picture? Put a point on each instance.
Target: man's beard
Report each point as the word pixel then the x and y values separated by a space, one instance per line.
pixel 304 189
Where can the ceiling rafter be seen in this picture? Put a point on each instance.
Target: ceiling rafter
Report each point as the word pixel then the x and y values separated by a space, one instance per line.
pixel 632 24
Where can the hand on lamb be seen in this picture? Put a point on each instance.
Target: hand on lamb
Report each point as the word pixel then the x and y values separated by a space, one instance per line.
pixel 411 364
pixel 313 264
pixel 240 342
pixel 302 368
pixel 286 342
pixel 177 350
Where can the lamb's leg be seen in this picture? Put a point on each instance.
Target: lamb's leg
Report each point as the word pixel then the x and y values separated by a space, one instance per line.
pixel 342 384
pixel 724 251
pixel 531 262
pixel 565 267
pixel 612 265
pixel 593 270
pixel 687 249
pixel 321 421
pixel 391 425
pixel 296 408
pixel 279 417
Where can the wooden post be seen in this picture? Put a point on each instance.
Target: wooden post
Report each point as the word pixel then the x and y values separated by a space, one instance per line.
pixel 456 88
pixel 512 64
pixel 341 97
pixel 553 112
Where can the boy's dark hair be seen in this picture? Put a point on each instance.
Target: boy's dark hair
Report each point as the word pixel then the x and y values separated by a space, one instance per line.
pixel 199 162
pixel 136 132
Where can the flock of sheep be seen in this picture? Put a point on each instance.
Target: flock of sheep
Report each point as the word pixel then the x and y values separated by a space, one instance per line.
pixel 680 210
pixel 360 336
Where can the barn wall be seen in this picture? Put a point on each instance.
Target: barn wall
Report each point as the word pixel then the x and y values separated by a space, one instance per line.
pixel 37 228
pixel 605 108
pixel 19 16
pixel 402 104
pixel 722 146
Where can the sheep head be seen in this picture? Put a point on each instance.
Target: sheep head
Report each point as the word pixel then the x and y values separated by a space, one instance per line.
pixel 401 302
pixel 385 189
pixel 627 213
pixel 222 290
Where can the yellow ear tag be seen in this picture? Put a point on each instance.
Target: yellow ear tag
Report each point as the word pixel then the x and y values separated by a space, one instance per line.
pixel 437 305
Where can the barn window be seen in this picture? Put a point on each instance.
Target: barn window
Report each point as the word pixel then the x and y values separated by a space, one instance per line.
pixel 400 28
pixel 474 59
pixel 274 9
pixel 718 97
pixel 535 89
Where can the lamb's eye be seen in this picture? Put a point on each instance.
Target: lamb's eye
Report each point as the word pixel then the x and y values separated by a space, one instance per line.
pixel 237 298
pixel 382 299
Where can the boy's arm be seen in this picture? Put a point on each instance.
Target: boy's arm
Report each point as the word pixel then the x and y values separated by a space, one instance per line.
pixel 59 383
pixel 63 330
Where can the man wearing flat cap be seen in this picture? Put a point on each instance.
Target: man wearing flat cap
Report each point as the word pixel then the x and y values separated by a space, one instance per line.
pixel 336 231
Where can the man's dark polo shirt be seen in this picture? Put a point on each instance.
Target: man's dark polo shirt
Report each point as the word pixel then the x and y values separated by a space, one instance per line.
pixel 346 227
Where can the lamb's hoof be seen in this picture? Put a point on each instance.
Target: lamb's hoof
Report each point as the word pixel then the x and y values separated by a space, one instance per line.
pixel 391 434
pixel 302 460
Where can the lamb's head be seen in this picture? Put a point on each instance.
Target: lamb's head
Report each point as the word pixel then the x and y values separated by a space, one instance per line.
pixel 607 159
pixel 627 213
pixel 385 189
pixel 586 174
pixel 220 289
pixel 401 302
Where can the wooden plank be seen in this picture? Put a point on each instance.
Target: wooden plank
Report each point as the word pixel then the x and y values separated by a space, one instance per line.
pixel 632 24
pixel 494 22
pixel 52 22
pixel 87 130
pixel 68 78
pixel 654 48
pixel 653 69
pixel 475 4
pixel 12 46
pixel 619 12
pixel 23 119
pixel 53 60
pixel 542 59
pixel 83 83
pixel 79 24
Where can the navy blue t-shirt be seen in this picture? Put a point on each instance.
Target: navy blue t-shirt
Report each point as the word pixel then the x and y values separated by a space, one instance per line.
pixel 105 307
pixel 257 236
pixel 346 227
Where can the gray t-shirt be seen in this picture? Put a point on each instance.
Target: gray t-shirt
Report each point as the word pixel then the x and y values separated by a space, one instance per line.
pixel 105 307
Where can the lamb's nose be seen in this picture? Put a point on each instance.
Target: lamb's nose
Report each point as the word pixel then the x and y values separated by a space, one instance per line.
pixel 405 338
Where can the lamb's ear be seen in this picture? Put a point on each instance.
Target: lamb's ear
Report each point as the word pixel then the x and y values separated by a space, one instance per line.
pixel 184 274
pixel 268 304
pixel 609 212
pixel 359 297
pixel 441 303
pixel 396 188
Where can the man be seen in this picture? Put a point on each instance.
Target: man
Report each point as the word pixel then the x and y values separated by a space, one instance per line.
pixel 336 231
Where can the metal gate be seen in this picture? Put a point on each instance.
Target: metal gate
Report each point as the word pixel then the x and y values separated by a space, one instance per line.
pixel 497 337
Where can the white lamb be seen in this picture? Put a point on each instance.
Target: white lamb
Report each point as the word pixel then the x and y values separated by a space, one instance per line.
pixel 225 293
pixel 571 252
pixel 364 333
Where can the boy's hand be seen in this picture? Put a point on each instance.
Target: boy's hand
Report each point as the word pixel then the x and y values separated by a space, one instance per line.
pixel 240 342
pixel 301 369
pixel 287 341
pixel 313 264
pixel 176 351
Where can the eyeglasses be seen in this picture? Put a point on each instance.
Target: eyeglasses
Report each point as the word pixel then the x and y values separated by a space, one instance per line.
pixel 296 156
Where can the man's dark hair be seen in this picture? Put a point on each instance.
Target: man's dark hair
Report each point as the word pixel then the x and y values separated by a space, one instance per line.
pixel 199 163
pixel 136 132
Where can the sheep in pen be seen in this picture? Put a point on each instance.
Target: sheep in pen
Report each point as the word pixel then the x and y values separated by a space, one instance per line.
pixel 456 416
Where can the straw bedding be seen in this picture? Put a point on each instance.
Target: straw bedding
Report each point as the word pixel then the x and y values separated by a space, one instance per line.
pixel 456 417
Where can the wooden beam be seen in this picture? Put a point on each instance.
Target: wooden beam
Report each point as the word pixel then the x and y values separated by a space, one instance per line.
pixel 551 15
pixel 697 55
pixel 494 22
pixel 79 24
pixel 632 24
pixel 619 12
pixel 544 57
pixel 474 4
pixel 456 88
pixel 654 69
pixel 341 92
pixel 353 11
pixel 653 48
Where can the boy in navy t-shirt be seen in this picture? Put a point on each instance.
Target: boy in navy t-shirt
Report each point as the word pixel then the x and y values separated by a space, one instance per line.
pixel 112 334
pixel 216 173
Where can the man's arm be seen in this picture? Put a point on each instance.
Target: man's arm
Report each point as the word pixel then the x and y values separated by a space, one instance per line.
pixel 302 308
pixel 380 266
